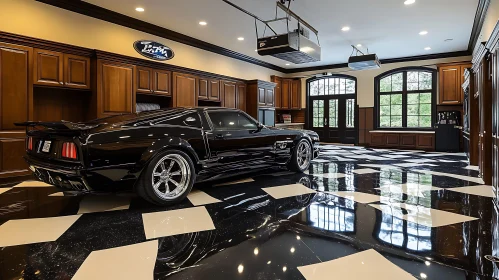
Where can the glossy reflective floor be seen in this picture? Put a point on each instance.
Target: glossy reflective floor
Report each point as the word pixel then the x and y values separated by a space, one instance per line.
pixel 356 214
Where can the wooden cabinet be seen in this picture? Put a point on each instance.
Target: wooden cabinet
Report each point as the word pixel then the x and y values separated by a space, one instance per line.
pixel 57 69
pixel 115 86
pixel 260 100
pixel 286 94
pixel 16 96
pixel 269 97
pixel 278 90
pixel 153 81
pixel 451 78
pixel 296 94
pixel 185 90
pixel 209 89
pixel 76 71
pixel 228 90
pixel 403 140
pixel 241 96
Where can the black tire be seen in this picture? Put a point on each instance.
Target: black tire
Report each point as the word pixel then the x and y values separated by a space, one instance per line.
pixel 145 189
pixel 293 164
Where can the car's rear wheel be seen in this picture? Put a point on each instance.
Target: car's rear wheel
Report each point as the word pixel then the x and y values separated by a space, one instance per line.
pixel 302 156
pixel 168 179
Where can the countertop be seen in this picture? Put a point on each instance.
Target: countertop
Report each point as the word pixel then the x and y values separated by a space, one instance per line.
pixel 289 124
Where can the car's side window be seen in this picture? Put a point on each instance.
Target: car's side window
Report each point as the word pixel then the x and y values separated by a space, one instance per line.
pixel 191 120
pixel 231 121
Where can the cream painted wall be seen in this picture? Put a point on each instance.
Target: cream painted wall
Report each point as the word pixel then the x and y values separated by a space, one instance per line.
pixel 34 19
pixel 365 79
pixel 490 21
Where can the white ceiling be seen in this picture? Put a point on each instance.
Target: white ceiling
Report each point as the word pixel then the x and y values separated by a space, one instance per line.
pixel 388 27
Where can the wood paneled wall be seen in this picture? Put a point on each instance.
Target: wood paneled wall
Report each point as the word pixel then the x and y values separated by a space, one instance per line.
pixel 366 124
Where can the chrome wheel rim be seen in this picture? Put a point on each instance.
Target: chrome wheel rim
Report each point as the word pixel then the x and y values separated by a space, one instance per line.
pixel 170 177
pixel 304 154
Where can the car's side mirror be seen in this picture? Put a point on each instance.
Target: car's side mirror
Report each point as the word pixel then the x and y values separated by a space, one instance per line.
pixel 260 126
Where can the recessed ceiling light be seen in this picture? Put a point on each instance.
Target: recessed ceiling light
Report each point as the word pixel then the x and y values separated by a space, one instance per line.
pixel 345 28
pixel 256 50
pixel 424 32
pixel 287 64
pixel 427 48
pixel 359 45
pixel 240 38
pixel 139 9
pixel 409 2
pixel 203 23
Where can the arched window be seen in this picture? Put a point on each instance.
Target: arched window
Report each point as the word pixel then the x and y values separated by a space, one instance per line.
pixel 406 98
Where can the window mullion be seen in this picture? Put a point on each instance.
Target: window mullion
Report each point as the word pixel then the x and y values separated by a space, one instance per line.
pixel 404 99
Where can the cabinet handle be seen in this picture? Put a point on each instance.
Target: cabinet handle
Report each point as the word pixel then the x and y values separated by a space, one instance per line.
pixel 61 83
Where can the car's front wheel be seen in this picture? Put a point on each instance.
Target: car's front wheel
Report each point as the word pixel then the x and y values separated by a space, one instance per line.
pixel 168 178
pixel 302 156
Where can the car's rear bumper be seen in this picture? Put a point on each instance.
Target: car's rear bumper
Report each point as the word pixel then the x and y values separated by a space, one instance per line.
pixel 59 175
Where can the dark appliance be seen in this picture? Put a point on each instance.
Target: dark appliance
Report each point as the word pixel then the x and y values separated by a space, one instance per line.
pixel 448 132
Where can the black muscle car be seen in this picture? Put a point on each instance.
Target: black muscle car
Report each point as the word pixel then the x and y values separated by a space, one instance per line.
pixel 161 153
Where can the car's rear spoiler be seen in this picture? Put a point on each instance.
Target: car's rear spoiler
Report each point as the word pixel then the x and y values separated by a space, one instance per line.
pixel 62 127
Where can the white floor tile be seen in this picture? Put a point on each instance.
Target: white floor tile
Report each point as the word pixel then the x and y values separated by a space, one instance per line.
pixel 32 184
pixel 197 198
pixel 420 160
pixel 365 171
pixel 344 159
pixel 486 191
pixel 465 161
pixel 248 180
pixel 396 156
pixel 330 175
pixel 357 196
pixel 329 147
pixel 411 164
pixel 174 222
pixel 403 153
pixel 432 155
pixel 28 231
pixel 361 152
pixel 320 160
pixel 460 177
pixel 446 160
pixel 288 191
pixel 472 167
pixel 382 166
pixel 3 190
pixel 409 189
pixel 421 215
pixel 103 203
pixel 131 262
pixel 364 265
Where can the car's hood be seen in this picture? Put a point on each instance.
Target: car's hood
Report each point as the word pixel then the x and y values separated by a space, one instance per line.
pixel 309 132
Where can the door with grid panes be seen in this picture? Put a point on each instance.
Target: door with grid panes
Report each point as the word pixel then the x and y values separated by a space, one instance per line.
pixel 331 110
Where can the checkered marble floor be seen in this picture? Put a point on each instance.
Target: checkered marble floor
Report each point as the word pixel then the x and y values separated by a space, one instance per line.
pixel 355 214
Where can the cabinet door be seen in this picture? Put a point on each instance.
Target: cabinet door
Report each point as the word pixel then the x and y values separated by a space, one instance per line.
pixel 269 97
pixel 115 85
pixel 278 91
pixel 162 82
pixel 49 68
pixel 144 80
pixel 214 90
pixel 450 87
pixel 261 96
pixel 204 89
pixel 241 97
pixel 76 71
pixel 286 94
pixel 16 105
pixel 296 94
pixel 185 90
pixel 229 93
pixel 462 80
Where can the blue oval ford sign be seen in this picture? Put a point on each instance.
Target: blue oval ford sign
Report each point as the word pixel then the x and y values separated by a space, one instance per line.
pixel 153 50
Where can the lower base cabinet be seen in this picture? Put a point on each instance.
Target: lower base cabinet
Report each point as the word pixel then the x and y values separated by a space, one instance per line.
pixel 420 141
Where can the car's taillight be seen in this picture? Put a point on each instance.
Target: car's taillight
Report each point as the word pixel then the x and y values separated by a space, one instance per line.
pixel 69 150
pixel 30 143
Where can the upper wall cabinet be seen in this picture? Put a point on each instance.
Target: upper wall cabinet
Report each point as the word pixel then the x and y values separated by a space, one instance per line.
pixel 185 90
pixel 61 70
pixel 451 77
pixel 115 86
pixel 209 89
pixel 229 90
pixel 152 81
pixel 241 96
pixel 287 93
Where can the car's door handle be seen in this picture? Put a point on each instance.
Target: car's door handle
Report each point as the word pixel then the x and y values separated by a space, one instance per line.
pixel 219 136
